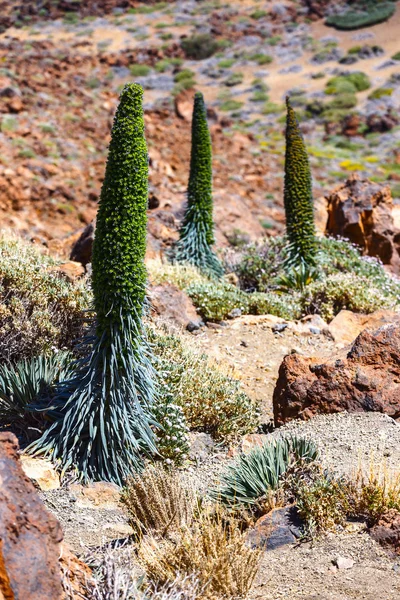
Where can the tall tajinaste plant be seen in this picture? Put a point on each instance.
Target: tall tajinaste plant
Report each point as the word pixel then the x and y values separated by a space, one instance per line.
pixel 102 415
pixel 299 209
pixel 196 236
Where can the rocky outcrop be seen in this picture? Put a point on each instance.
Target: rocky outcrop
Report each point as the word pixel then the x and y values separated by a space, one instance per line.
pixel 361 211
pixel 367 379
pixel 30 536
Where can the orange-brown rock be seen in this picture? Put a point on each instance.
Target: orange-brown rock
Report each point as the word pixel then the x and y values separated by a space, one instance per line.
pixel 367 379
pixel 361 211
pixel 77 576
pixel 71 270
pixel 347 325
pixel 174 306
pixel 30 536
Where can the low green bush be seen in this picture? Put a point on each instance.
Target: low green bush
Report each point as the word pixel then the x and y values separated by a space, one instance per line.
pixel 184 74
pixel 380 93
pixel 215 301
pixel 360 283
pixel 231 105
pixel 348 83
pixel 139 70
pixel 343 101
pixel 262 59
pixel 371 15
pixel 344 291
pixel 198 47
pixel 210 399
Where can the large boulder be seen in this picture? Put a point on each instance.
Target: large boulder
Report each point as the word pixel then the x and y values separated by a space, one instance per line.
pixel 30 536
pixel 367 379
pixel 361 211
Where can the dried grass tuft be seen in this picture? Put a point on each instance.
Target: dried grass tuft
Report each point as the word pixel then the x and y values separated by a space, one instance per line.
pixel 157 502
pixel 213 550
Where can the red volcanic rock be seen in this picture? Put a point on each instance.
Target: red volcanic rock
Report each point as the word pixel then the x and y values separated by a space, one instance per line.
pixel 368 379
pixel 30 536
pixel 361 211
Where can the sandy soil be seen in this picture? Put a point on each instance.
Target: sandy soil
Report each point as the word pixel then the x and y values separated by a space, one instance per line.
pixel 250 347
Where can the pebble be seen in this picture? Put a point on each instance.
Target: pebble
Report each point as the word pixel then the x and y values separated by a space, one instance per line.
pixel 343 563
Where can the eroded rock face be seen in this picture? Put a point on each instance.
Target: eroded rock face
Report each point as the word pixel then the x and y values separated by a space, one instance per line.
pixel 361 211
pixel 367 379
pixel 30 537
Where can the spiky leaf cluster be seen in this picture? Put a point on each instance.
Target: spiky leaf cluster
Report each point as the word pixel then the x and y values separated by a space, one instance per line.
pixel 22 383
pixel 196 235
pixel 251 476
pixel 298 198
pixel 103 414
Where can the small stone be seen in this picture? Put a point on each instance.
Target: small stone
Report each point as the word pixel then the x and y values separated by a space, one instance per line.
pixel 235 312
pixel 343 563
pixel 315 330
pixel 193 326
pixel 279 327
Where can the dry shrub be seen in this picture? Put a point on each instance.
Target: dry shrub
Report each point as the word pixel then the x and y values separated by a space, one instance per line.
pixel 180 275
pixel 211 398
pixel 325 502
pixel 375 493
pixel 157 502
pixel 213 550
pixel 39 309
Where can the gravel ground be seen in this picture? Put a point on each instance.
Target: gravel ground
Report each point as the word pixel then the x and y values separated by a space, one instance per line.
pixel 347 441
pixel 307 571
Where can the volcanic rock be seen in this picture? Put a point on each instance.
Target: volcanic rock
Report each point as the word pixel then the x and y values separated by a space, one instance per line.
pixel 173 305
pixel 361 211
pixel 387 531
pixel 30 536
pixel 367 379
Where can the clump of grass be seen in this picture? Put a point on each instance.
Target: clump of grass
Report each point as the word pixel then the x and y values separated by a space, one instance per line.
pixel 157 502
pixel 139 70
pixel 375 493
pixel 213 549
